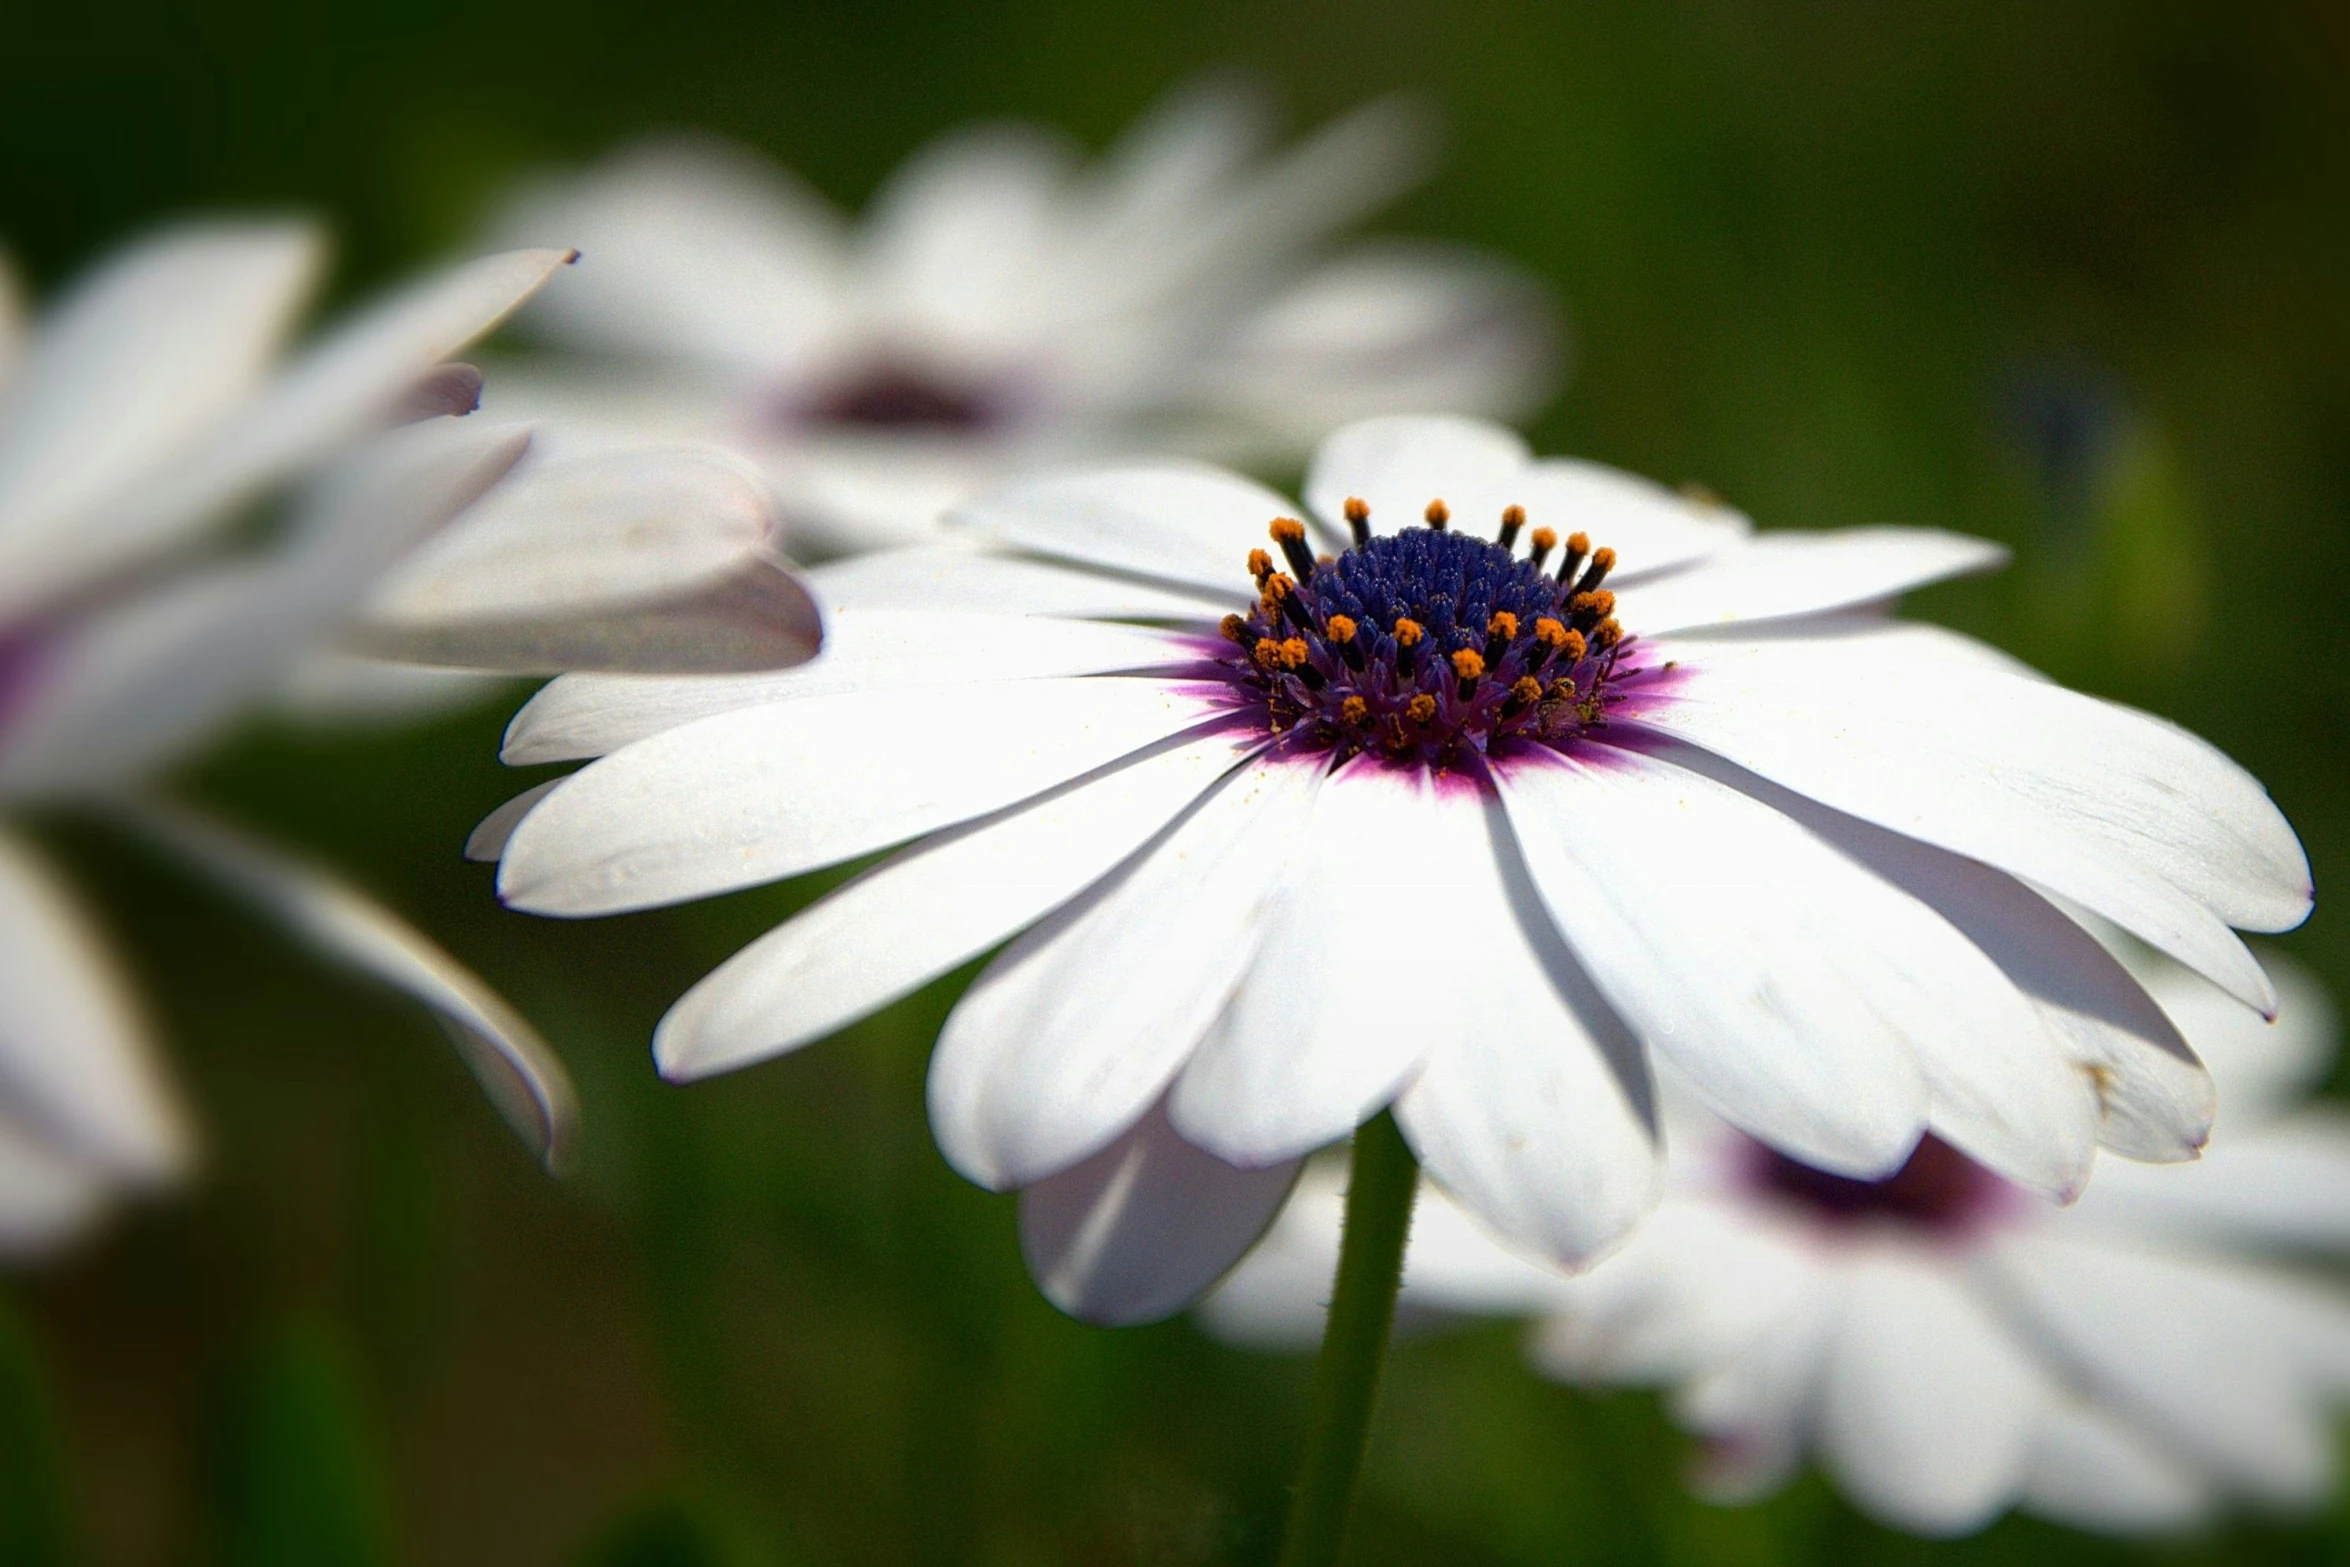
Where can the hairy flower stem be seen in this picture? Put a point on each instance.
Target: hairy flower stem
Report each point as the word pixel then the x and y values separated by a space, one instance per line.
pixel 1379 1193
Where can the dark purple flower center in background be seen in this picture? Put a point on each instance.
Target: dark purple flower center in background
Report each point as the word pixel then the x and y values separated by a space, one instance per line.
pixel 887 395
pixel 1429 645
pixel 1939 1189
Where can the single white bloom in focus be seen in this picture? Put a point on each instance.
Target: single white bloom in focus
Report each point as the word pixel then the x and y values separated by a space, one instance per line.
pixel 140 419
pixel 1948 1344
pixel 1003 302
pixel 1470 828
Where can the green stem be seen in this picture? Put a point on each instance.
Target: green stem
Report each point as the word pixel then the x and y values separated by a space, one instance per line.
pixel 1379 1192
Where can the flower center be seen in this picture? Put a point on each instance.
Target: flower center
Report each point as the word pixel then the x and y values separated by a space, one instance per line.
pixel 1428 644
pixel 887 395
pixel 1939 1189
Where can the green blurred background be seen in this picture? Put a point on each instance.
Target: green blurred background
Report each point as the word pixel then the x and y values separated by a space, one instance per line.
pixel 2074 276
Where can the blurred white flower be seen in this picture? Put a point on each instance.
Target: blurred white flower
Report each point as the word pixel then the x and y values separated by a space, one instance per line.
pixel 1947 1344
pixel 144 607
pixel 1003 303
pixel 1430 821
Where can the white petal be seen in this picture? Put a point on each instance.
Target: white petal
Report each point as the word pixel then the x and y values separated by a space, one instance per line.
pixel 2090 1470
pixel 514 1066
pixel 1757 1410
pixel 768 792
pixel 76 1064
pixel 347 386
pixel 1324 1029
pixel 2278 1184
pixel 872 650
pixel 1278 1297
pixel 1928 1407
pixel 1536 1116
pixel 1778 576
pixel 652 561
pixel 1145 1227
pixel 1650 528
pixel 1390 327
pixel 2192 1346
pixel 955 577
pixel 1790 985
pixel 1183 523
pixel 2263 1067
pixel 2127 814
pixel 140 684
pixel 46 1198
pixel 928 910
pixel 955 244
pixel 1399 464
pixel 689 246
pixel 143 358
pixel 1695 1287
pixel 487 842
pixel 1065 1039
pixel 2106 1065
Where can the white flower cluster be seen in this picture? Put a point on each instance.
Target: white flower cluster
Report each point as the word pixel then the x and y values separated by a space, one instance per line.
pixel 1756 976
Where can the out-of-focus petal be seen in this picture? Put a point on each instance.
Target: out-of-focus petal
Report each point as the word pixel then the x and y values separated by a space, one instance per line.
pixel 689 246
pixel 144 358
pixel 77 1068
pixel 652 561
pixel 1929 1403
pixel 514 1066
pixel 1388 328
pixel 140 685
pixel 2092 1470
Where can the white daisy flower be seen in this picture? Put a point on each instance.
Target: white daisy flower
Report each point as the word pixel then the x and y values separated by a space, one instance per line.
pixel 1947 1344
pixel 138 420
pixel 1003 303
pixel 1469 823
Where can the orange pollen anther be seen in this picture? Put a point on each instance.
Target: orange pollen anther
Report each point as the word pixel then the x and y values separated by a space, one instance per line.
pixel 1468 663
pixel 1544 538
pixel 1578 543
pixel 1340 629
pixel 1288 530
pixel 1503 624
pixel 1260 564
pixel 1294 653
pixel 1525 691
pixel 1278 586
pixel 1234 627
pixel 1599 601
pixel 1357 509
pixel 1551 633
pixel 1420 709
pixel 1408 632
pixel 1437 514
pixel 1353 710
pixel 1574 647
pixel 1604 558
pixel 1513 516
